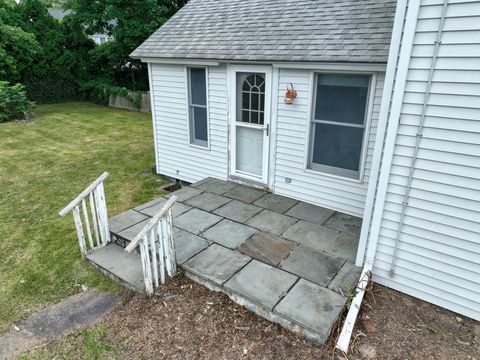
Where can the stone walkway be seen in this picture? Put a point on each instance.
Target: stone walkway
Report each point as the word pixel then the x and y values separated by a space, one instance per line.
pixel 288 261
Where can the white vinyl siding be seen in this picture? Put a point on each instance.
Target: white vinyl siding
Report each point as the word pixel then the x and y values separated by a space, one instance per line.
pixel 291 146
pixel 439 249
pixel 175 156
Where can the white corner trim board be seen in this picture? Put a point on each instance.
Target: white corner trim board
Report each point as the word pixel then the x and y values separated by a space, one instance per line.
pixel 381 127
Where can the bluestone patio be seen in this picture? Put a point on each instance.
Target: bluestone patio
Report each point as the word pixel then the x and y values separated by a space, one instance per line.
pixel 288 261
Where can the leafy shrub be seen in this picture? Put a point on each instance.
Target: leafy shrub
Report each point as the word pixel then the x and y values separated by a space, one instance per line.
pixel 14 104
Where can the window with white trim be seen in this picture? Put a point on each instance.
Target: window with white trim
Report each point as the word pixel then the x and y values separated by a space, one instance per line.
pixel 197 106
pixel 338 124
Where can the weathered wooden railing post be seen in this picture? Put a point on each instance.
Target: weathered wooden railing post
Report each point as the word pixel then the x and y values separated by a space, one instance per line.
pixel 98 214
pixel 157 248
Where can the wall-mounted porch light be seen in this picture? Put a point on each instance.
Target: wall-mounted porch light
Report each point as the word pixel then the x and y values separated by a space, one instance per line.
pixel 290 94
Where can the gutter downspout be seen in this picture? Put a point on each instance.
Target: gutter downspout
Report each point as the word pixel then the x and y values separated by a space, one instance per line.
pixel 419 135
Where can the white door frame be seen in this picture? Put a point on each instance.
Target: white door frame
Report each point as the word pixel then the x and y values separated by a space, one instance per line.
pixel 232 75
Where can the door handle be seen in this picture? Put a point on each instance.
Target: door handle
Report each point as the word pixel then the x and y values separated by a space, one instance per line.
pixel 267 128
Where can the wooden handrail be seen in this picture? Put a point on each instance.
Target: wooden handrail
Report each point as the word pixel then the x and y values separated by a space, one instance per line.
pixel 84 194
pixel 150 224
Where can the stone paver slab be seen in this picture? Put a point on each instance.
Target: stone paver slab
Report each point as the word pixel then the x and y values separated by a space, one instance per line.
pixel 275 202
pixel 267 247
pixel 177 208
pixel 311 235
pixel 346 280
pixel 244 193
pixel 185 193
pixel 229 233
pixel 150 203
pixel 261 283
pixel 196 221
pixel 311 213
pixel 187 245
pixel 312 306
pixel 238 211
pixel 216 186
pixel 312 265
pixel 134 230
pixel 346 223
pixel 344 246
pixel 201 182
pixel 125 220
pixel 207 201
pixel 216 263
pixel 272 222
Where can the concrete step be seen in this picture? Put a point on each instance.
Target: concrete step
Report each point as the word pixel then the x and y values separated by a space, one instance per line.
pixel 119 265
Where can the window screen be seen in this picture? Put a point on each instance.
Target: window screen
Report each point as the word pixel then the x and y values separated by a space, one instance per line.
pixel 338 123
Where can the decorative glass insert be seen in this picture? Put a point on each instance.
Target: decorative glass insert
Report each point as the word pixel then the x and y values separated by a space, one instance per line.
pixel 253 99
pixel 338 123
pixel 198 122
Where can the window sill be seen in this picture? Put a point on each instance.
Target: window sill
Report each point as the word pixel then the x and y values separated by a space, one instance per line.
pixel 200 146
pixel 338 177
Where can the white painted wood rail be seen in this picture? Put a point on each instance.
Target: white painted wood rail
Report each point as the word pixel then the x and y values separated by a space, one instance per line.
pixel 96 219
pixel 157 248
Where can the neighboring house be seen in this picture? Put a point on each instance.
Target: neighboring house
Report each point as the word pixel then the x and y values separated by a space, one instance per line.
pixel 98 38
pixel 385 124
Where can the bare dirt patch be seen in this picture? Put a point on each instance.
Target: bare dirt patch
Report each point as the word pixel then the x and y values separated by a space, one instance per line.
pixel 397 326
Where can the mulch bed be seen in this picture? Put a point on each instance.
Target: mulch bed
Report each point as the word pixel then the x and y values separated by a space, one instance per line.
pixel 185 320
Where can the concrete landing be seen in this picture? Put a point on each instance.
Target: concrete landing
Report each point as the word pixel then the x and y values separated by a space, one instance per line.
pixel 119 265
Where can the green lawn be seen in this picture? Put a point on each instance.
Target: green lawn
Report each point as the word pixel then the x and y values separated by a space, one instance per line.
pixel 44 164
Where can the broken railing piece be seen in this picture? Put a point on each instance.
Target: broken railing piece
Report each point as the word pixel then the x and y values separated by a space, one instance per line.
pixel 96 219
pixel 157 248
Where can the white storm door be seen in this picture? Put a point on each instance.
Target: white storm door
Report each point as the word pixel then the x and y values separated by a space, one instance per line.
pixel 250 119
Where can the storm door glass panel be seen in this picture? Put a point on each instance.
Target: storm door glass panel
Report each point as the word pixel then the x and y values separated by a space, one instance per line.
pixel 251 98
pixel 249 150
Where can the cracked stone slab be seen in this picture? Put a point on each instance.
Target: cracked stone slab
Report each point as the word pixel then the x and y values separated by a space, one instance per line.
pixel 216 264
pixel 244 193
pixel 347 279
pixel 238 211
pixel 311 235
pixel 346 223
pixel 185 193
pixel 312 306
pixel 268 248
pixel 177 208
pixel 196 221
pixel 313 265
pixel 229 233
pixel 275 202
pixel 187 245
pixel 272 222
pixel 125 220
pixel 261 283
pixel 216 186
pixel 344 246
pixel 207 201
pixel 74 312
pixel 309 212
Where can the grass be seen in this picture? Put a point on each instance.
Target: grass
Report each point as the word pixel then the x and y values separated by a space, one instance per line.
pixel 44 164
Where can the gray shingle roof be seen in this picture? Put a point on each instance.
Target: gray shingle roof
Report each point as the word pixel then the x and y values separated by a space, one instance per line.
pixel 276 30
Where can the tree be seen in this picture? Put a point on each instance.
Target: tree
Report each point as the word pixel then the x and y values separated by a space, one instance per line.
pixel 18 48
pixel 130 22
